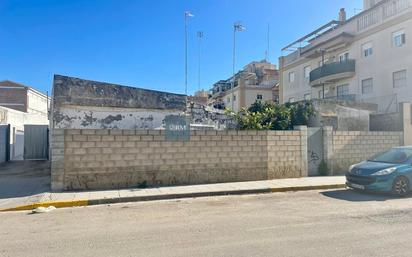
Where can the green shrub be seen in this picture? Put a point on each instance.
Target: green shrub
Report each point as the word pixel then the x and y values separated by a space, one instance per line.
pixel 270 116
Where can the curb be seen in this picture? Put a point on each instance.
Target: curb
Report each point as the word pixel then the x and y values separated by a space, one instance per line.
pixel 307 188
pixel 64 204
pixel 79 203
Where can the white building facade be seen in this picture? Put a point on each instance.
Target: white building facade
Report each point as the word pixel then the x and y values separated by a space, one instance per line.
pixel 257 81
pixel 366 58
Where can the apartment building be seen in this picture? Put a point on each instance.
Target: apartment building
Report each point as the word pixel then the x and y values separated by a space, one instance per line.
pixel 366 58
pixel 257 81
pixel 23 98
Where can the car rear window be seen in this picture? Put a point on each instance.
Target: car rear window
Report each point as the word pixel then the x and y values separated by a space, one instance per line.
pixel 395 155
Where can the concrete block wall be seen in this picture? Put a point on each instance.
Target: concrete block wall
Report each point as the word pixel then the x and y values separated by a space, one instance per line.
pixel 287 153
pixel 345 148
pixel 104 159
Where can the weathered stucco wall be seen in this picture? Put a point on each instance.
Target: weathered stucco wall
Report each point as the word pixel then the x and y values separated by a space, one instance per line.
pixel 342 115
pixel 386 122
pixel 109 118
pixel 105 159
pixel 79 103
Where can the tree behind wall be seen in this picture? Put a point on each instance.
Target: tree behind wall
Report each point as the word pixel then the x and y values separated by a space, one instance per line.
pixel 270 116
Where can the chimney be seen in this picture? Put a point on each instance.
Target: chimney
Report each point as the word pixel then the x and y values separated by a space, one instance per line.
pixel 342 15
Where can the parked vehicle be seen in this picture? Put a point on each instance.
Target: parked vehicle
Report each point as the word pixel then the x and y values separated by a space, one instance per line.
pixel 390 171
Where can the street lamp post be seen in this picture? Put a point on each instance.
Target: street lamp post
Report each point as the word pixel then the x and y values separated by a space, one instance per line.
pixel 237 27
pixel 187 15
pixel 200 37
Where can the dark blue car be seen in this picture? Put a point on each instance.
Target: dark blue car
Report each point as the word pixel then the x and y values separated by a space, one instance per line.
pixel 389 172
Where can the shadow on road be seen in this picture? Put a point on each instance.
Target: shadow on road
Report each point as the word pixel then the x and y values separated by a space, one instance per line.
pixel 24 178
pixel 356 196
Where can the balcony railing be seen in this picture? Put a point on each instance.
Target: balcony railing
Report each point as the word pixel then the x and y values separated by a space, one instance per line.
pixel 333 71
pixel 347 97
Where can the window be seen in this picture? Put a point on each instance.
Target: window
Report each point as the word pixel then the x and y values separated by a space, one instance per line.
pixel 399 79
pixel 367 50
pixel 399 38
pixel 291 100
pixel 344 57
pixel 307 97
pixel 259 97
pixel 343 90
pixel 367 86
pixel 234 98
pixel 307 71
pixel 291 77
pixel 228 99
pixel 320 94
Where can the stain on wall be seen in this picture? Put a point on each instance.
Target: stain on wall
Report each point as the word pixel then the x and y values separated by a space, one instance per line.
pixel 109 118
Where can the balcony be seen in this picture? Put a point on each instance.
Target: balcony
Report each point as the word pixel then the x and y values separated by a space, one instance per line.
pixel 347 97
pixel 333 72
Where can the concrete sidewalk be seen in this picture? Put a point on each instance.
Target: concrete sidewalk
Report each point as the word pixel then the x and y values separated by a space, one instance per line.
pixel 71 199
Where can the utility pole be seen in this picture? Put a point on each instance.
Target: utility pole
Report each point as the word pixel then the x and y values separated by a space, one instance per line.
pixel 268 42
pixel 187 15
pixel 237 27
pixel 199 37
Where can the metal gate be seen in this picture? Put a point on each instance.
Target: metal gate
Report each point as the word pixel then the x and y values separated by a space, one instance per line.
pixel 17 152
pixel 4 143
pixel 36 142
pixel 315 150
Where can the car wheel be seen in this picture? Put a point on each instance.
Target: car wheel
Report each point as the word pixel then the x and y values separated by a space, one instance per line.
pixel 400 186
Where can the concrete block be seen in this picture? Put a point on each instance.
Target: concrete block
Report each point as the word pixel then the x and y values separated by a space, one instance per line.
pixel 80 151
pixel 88 144
pixel 153 132
pixel 57 144
pixel 121 138
pixel 129 132
pixel 94 150
pixel 103 144
pixel 88 131
pixel 79 138
pixel 67 138
pixel 159 138
pixel 94 138
pixel 72 131
pixel 115 132
pixel 116 144
pixel 141 132
pixel 102 132
pixel 107 138
pixel 146 138
pixel 129 144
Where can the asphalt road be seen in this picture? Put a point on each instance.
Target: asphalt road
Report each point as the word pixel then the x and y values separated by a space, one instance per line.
pixel 314 223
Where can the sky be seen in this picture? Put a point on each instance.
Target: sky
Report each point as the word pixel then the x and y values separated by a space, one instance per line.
pixel 141 42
